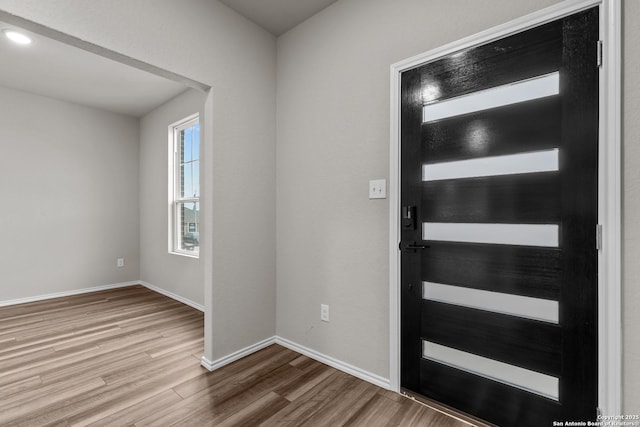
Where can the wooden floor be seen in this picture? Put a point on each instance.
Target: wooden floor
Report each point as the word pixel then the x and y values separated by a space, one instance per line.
pixel 132 357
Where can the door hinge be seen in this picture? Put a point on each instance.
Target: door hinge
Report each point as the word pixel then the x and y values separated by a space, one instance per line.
pixel 599 53
pixel 598 237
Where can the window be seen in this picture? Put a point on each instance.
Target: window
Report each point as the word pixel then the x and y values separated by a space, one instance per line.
pixel 184 187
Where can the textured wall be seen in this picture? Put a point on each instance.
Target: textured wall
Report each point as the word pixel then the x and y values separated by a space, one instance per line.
pixel 69 186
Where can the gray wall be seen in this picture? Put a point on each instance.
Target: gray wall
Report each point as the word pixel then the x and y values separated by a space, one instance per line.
pixel 631 209
pixel 180 275
pixel 208 42
pixel 333 136
pixel 69 184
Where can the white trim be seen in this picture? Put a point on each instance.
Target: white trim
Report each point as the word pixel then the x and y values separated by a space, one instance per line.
pixel 175 199
pixel 171 295
pixel 236 355
pixel 335 363
pixel 67 293
pixel 534 19
pixel 394 231
pixel 609 288
pixel 104 288
pixel 313 354
pixel 610 212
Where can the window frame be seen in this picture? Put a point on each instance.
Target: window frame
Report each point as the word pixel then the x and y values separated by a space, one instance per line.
pixel 175 198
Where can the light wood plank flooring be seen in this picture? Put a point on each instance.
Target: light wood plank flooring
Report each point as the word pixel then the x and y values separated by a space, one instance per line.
pixel 131 356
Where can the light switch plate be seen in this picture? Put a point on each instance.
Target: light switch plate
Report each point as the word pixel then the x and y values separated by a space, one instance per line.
pixel 378 189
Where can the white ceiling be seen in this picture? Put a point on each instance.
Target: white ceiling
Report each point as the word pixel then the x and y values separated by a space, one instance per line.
pixel 278 16
pixel 54 69
pixel 57 70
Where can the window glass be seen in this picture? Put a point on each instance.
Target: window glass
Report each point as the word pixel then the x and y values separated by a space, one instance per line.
pixel 189 223
pixel 185 187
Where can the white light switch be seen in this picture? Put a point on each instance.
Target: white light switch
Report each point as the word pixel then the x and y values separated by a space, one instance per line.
pixel 378 189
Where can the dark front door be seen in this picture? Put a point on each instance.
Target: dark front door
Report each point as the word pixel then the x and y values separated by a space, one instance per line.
pixel 499 212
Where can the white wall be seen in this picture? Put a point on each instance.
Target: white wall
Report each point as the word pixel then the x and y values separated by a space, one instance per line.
pixel 180 275
pixel 69 186
pixel 208 42
pixel 631 209
pixel 333 136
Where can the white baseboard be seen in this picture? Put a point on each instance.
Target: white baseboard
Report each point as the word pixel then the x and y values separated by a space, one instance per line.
pixel 171 295
pixel 335 363
pixel 327 360
pixel 219 363
pixel 103 288
pixel 67 293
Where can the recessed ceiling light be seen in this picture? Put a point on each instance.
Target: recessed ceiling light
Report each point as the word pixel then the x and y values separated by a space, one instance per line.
pixel 17 37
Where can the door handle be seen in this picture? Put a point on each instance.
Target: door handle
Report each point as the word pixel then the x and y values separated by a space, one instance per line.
pixel 413 246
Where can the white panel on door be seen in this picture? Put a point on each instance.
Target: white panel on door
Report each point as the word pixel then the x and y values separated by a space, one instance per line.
pixel 535 382
pixel 545 235
pixel 497 302
pixel 531 162
pixel 524 90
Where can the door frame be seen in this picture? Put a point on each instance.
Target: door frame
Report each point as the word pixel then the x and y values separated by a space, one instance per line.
pixel 609 187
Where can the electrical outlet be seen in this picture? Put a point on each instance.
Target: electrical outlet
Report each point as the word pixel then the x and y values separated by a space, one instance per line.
pixel 120 262
pixel 324 312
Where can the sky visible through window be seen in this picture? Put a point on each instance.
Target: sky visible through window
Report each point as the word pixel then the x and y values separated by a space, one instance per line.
pixel 188 206
pixel 190 164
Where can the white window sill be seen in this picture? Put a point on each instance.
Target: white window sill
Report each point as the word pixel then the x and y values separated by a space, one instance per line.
pixel 185 254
